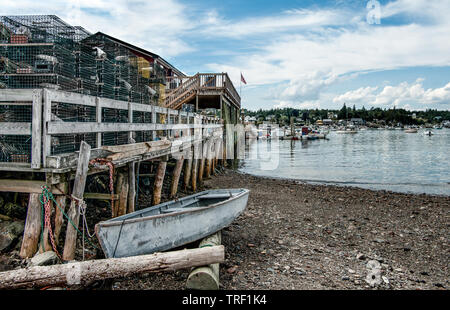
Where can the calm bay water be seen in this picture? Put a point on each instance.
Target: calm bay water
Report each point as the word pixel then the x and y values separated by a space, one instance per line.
pixel 375 159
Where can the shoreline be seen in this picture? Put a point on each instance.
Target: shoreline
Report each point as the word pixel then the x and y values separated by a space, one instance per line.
pixel 296 235
pixel 349 184
pixel 301 236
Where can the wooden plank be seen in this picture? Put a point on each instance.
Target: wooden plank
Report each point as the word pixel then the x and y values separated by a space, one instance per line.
pixel 46 117
pixel 70 160
pixel 144 146
pixel 16 129
pixel 82 273
pixel 36 128
pixel 78 190
pixel 98 118
pixel 70 97
pixel 16 94
pixel 22 186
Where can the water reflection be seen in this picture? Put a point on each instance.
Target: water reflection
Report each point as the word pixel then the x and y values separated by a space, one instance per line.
pixel 377 159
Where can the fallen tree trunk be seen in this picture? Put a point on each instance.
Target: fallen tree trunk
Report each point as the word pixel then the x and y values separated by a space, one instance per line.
pixel 80 273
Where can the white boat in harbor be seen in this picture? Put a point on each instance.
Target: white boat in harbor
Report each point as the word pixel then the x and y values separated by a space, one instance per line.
pixel 428 133
pixel 411 130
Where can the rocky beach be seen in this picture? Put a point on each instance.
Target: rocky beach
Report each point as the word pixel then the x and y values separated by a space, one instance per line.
pixel 296 236
pixel 300 236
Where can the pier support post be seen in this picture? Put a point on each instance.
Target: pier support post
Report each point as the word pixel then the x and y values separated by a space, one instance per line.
pixel 122 188
pixel 132 187
pixel 176 177
pixel 159 179
pixel 195 166
pixel 201 169
pixel 61 200
pixel 187 170
pixel 32 227
pixel 78 190
pixel 208 158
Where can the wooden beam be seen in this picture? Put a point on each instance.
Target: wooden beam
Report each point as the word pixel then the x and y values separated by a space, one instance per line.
pixel 78 190
pixel 81 273
pixel 36 127
pixel 176 177
pixel 132 187
pixel 187 170
pixel 122 192
pixel 32 227
pixel 157 188
pixel 61 200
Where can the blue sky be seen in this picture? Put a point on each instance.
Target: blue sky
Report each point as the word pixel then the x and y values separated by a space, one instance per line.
pixel 304 54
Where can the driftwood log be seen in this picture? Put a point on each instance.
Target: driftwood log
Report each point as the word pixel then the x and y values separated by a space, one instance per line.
pixel 80 273
pixel 206 277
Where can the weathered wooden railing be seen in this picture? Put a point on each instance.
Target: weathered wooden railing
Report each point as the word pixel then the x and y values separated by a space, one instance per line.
pixel 209 82
pixel 46 131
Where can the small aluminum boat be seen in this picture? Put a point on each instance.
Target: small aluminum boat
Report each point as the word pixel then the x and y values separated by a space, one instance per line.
pixel 171 224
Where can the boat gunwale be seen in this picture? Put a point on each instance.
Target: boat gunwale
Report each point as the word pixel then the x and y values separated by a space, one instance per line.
pixel 140 219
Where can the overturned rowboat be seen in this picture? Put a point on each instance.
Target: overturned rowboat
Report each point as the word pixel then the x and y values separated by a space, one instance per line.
pixel 171 224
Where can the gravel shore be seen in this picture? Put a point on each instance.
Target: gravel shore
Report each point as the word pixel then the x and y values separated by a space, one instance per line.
pixel 294 235
pixel 301 236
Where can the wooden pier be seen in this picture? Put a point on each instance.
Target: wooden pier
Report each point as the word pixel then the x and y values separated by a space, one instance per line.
pixel 195 142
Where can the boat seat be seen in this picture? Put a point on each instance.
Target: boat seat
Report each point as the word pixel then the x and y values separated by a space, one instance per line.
pixel 214 196
pixel 170 210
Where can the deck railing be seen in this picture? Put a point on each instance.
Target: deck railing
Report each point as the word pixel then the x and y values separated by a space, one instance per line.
pixel 188 88
pixel 58 121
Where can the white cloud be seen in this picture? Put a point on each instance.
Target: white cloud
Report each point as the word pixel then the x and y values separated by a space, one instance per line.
pixel 402 94
pixel 155 25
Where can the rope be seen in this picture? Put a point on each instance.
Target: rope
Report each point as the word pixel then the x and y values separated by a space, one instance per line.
pixel 49 196
pixel 96 162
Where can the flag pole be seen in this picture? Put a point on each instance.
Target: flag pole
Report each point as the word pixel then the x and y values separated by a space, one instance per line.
pixel 240 85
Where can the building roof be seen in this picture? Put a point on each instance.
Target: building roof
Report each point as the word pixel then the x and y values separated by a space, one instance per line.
pixel 161 60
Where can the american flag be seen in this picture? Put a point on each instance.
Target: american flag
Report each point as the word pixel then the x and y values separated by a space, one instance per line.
pixel 243 80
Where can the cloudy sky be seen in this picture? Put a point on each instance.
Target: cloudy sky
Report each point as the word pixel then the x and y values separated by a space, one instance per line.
pixel 297 53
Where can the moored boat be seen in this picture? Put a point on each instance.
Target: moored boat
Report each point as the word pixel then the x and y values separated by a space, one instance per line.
pixel 411 130
pixel 171 224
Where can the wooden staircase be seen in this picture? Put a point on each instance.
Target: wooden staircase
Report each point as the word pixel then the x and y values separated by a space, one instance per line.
pixel 201 83
pixel 183 93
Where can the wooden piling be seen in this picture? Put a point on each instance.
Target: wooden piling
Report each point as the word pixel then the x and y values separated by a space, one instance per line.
pixel 61 200
pixel 176 177
pixel 159 179
pixel 187 170
pixel 78 190
pixel 131 187
pixel 206 277
pixel 201 169
pixel 208 159
pixel 32 227
pixel 195 167
pixel 122 188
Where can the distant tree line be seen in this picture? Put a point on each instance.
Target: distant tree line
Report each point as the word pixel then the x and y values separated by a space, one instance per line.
pixel 390 116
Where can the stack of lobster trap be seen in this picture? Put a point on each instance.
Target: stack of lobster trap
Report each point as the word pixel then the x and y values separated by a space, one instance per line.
pixel 43 51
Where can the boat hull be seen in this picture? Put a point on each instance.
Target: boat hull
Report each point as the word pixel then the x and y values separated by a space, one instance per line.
pixel 137 234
